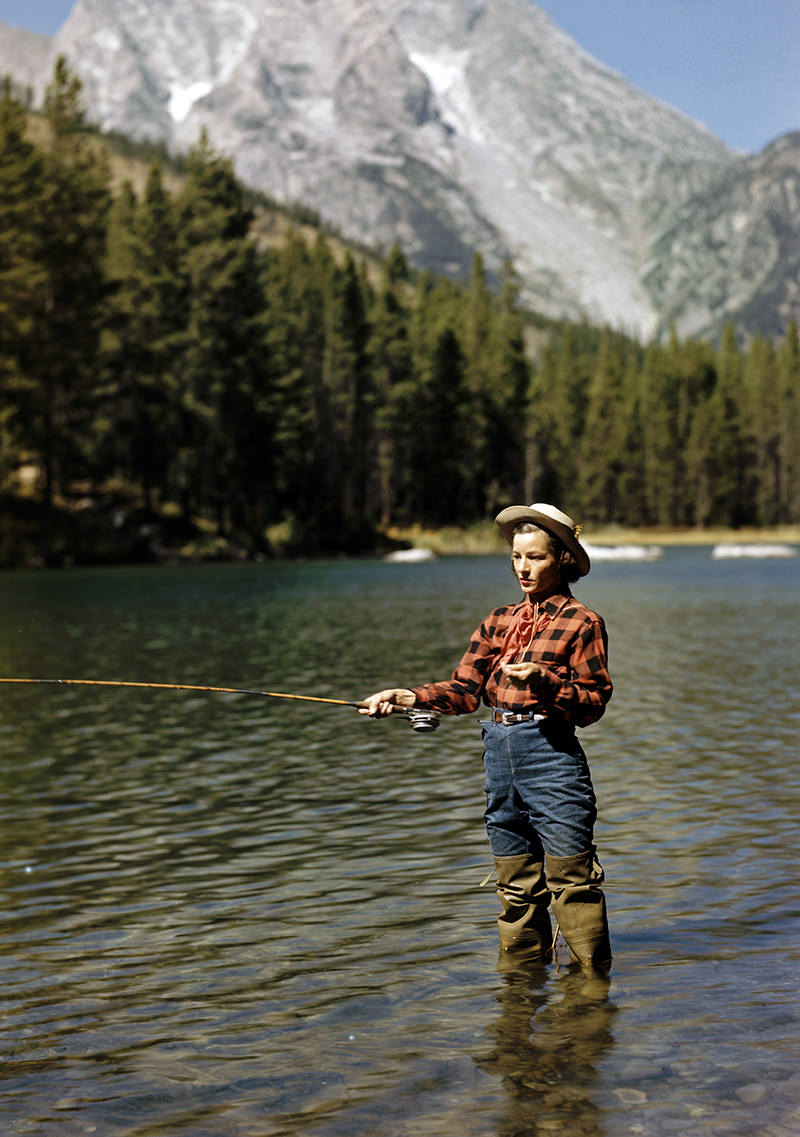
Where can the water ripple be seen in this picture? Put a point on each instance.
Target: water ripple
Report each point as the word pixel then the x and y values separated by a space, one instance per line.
pixel 231 916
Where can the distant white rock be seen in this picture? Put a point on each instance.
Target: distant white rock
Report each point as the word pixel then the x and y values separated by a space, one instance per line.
pixel 754 551
pixel 624 552
pixel 410 556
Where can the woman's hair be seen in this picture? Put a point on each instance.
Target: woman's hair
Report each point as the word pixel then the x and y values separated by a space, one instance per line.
pixel 566 561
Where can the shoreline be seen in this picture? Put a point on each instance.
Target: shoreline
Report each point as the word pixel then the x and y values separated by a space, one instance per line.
pixel 484 539
pixel 784 534
pixel 105 537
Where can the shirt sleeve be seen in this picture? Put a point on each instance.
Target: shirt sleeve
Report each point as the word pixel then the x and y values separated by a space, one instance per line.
pixel 580 696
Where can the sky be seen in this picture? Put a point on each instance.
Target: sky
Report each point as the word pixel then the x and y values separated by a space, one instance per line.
pixel 730 64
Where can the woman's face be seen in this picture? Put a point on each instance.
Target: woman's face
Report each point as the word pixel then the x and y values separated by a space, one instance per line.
pixel 535 566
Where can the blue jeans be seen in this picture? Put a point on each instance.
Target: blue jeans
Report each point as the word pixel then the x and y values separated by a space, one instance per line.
pixel 539 794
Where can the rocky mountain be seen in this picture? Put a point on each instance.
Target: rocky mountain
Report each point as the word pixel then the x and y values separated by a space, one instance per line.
pixel 25 56
pixel 475 124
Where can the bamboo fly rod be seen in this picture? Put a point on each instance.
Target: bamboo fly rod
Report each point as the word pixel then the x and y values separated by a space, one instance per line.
pixel 420 720
pixel 182 687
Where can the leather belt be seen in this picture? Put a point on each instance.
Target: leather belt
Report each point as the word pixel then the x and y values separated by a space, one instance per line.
pixel 506 718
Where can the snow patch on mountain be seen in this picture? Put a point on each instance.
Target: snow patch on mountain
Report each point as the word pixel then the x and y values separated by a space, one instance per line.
pixel 183 98
pixel 445 70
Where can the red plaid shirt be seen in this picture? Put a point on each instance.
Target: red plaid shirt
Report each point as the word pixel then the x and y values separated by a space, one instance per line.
pixel 570 642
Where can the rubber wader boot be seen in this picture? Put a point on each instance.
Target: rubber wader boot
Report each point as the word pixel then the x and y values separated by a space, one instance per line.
pixel 580 907
pixel 524 923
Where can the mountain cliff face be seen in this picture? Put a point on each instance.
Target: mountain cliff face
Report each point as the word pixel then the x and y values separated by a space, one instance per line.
pixel 24 55
pixel 475 124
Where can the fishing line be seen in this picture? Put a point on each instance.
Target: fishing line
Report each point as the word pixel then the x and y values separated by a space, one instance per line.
pixel 422 721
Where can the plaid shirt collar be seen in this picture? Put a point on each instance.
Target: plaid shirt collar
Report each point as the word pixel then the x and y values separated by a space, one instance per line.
pixel 552 605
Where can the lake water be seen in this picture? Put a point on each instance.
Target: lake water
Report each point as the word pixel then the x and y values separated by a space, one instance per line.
pixel 232 916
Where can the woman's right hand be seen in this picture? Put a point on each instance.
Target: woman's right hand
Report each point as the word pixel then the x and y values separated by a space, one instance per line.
pixel 380 704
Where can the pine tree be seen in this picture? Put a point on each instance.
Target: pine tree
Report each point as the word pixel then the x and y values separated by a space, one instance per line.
pixel 788 440
pixel 70 319
pixel 556 424
pixel 759 431
pixel 505 395
pixel 294 335
pixel 151 315
pixel 630 482
pixel 541 478
pixel 730 503
pixel 661 456
pixel 391 365
pixel 678 380
pixel 225 385
pixel 22 276
pixel 350 398
pixel 603 451
pixel 441 465
pixel 707 440
pixel 474 330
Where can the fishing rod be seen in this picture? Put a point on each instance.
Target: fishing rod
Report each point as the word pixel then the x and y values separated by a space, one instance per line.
pixel 423 721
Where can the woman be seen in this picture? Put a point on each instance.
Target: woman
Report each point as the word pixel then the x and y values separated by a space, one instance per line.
pixel 541 667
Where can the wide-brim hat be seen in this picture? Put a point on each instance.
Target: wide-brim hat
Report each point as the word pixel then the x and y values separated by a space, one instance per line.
pixel 551 519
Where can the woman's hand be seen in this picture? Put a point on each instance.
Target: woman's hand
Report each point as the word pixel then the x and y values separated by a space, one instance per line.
pixel 380 704
pixel 537 677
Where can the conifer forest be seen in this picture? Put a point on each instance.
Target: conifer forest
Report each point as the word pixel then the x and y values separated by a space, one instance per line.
pixel 157 350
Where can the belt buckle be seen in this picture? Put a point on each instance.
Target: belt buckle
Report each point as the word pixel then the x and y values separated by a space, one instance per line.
pixel 508 718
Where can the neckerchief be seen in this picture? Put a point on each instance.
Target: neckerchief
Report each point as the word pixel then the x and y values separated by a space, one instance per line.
pixel 524 627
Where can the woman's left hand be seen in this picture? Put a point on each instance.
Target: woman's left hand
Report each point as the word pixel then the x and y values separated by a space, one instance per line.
pixel 536 676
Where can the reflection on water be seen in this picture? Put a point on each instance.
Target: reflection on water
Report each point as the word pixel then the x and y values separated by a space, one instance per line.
pixel 547 1044
pixel 228 915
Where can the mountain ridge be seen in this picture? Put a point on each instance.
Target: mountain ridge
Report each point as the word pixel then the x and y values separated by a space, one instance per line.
pixel 478 126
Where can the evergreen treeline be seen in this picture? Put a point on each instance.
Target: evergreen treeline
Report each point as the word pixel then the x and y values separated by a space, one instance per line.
pixel 155 342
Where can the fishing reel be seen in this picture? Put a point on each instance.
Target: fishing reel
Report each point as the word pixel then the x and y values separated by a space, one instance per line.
pixel 422 721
